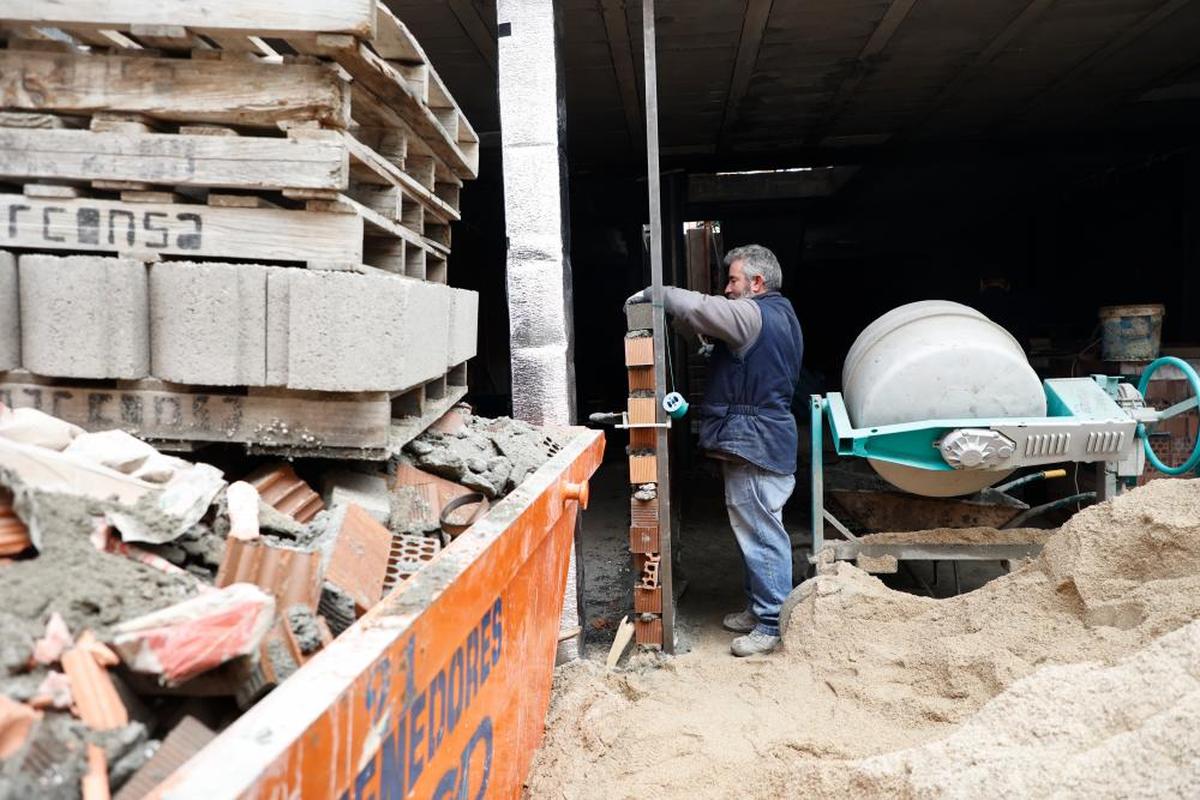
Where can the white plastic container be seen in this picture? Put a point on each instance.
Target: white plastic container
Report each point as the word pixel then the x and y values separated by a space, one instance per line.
pixel 935 359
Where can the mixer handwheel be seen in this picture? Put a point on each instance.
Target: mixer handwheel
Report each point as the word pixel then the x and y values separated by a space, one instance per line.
pixel 1194 380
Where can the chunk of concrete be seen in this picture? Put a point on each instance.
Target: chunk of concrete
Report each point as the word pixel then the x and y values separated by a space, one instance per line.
pixel 10 313
pixel 464 326
pixel 84 317
pixel 341 487
pixel 639 316
pixel 208 323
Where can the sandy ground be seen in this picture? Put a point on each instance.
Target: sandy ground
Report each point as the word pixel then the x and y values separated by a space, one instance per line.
pixel 1025 685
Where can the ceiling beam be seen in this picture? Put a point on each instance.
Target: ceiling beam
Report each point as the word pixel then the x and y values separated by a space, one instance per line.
pixel 754 24
pixel 882 35
pixel 1019 25
pixel 480 33
pixel 1122 40
pixel 616 30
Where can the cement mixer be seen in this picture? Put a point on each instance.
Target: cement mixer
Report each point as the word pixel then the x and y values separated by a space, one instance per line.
pixel 942 402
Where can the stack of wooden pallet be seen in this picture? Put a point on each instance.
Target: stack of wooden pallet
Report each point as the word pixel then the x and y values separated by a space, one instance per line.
pixel 254 201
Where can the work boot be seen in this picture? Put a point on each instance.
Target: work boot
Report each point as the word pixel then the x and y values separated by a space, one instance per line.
pixel 754 643
pixel 741 622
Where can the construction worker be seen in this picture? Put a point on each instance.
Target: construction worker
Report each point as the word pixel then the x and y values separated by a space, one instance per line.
pixel 746 422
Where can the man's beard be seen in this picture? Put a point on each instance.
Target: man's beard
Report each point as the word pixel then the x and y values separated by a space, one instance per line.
pixel 734 296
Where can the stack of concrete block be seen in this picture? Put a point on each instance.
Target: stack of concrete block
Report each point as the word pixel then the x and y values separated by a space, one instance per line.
pixel 216 324
pixel 327 210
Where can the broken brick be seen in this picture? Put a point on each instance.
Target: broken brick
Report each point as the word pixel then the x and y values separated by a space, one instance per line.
pixel 281 488
pixel 14 536
pixel 409 554
pixel 189 638
pixel 95 780
pixel 359 558
pixel 291 576
pixel 16 721
pixel 186 739
pixel 96 698
pixel 53 692
pixel 49 649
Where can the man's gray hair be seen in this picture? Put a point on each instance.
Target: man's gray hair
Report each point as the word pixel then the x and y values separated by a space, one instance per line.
pixel 757 260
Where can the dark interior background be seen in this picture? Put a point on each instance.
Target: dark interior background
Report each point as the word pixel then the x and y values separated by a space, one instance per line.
pixel 1033 158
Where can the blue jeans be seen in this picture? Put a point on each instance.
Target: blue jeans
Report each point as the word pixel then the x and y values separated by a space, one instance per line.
pixel 754 498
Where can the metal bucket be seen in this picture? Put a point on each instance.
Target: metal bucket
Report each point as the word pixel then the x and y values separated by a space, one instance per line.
pixel 1130 333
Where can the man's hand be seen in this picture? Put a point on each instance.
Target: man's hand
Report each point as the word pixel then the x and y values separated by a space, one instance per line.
pixel 642 296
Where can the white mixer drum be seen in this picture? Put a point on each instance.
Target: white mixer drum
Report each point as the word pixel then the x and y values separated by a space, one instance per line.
pixel 935 359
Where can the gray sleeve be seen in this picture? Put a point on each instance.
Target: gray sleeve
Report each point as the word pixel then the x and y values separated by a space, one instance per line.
pixel 735 322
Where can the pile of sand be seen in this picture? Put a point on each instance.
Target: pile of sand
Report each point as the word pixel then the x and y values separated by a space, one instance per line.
pixel 867 670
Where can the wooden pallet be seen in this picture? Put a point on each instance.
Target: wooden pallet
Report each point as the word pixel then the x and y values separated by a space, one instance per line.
pixel 382 219
pixel 390 69
pixel 281 422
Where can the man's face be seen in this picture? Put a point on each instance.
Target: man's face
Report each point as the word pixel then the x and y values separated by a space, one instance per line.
pixel 738 286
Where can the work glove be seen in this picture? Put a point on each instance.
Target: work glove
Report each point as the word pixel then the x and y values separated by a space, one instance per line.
pixel 642 296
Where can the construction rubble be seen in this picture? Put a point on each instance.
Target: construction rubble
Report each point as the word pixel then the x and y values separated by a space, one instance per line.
pixel 147 601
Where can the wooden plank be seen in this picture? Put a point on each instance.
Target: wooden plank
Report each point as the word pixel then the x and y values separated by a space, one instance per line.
pixel 235 162
pixel 616 28
pixel 262 17
pixel 306 420
pixel 376 223
pixel 387 83
pixel 250 93
pixel 25 119
pixel 754 24
pixel 90 225
pixel 391 174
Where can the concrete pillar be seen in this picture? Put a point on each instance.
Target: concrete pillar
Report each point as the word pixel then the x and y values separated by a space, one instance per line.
pixel 532 136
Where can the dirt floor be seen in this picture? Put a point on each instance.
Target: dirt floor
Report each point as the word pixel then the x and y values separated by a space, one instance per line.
pixel 1078 674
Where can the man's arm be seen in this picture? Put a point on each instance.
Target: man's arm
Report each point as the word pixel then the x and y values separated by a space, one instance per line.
pixel 735 322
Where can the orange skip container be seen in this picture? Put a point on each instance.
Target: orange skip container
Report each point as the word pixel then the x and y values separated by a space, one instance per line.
pixel 441 689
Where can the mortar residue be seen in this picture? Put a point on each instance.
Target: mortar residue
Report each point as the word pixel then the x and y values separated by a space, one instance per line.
pixel 91 589
pixel 491 456
pixel 876 693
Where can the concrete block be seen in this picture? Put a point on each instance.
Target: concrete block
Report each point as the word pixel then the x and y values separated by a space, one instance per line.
pixel 341 487
pixel 639 316
pixel 342 335
pixel 278 320
pixel 84 317
pixel 208 323
pixel 464 326
pixel 427 326
pixel 352 333
pixel 10 313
